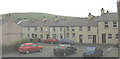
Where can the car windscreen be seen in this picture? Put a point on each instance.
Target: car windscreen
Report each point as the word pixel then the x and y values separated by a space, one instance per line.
pixel 23 45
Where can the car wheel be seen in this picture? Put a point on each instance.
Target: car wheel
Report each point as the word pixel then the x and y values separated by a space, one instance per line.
pixel 64 54
pixel 27 52
pixel 40 50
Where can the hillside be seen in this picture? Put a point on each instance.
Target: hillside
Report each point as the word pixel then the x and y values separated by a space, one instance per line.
pixel 36 16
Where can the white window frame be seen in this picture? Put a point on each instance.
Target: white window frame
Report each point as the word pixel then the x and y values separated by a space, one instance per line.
pixel 115 24
pixel 90 36
pixel 109 36
pixel 106 24
pixel 89 28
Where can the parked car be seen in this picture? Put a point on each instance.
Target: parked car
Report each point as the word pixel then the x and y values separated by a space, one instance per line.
pixel 93 52
pixel 29 47
pixel 66 41
pixel 35 40
pixel 64 50
pixel 51 40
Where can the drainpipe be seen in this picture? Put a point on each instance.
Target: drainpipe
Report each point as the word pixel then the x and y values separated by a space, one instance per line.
pixel 97 32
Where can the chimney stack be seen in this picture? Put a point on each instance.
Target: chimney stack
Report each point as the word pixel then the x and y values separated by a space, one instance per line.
pixel 56 18
pixel 44 19
pixel 90 16
pixel 107 11
pixel 102 11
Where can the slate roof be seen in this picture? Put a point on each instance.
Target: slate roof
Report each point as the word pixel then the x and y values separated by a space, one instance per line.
pixel 72 21
pixel 108 17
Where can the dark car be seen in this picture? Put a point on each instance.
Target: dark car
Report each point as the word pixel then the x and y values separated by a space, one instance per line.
pixel 29 47
pixel 64 50
pixel 51 40
pixel 93 52
pixel 66 41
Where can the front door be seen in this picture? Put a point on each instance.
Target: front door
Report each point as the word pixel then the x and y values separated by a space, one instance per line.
pixel 103 38
pixel 61 36
pixel 94 38
pixel 80 38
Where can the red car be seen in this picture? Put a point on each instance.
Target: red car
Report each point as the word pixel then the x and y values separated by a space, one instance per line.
pixel 51 40
pixel 29 47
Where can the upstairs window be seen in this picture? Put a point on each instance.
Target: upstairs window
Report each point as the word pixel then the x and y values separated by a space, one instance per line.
pixel 89 28
pixel 114 24
pixel 67 28
pixel 106 24
pixel 73 28
pixel 80 28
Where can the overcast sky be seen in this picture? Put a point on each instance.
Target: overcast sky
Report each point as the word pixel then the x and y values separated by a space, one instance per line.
pixel 76 8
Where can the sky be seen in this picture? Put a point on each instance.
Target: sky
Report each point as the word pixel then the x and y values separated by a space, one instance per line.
pixel 75 8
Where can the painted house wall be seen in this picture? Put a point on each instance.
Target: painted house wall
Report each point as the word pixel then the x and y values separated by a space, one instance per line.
pixel 10 32
pixel 109 30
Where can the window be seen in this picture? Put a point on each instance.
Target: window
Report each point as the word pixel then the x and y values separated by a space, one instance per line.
pixel 67 34
pixel 73 34
pixel 28 29
pixel 106 24
pixel 47 36
pixel 73 28
pixel 114 24
pixel 60 28
pixel 89 28
pixel 35 35
pixel 90 37
pixel 117 36
pixel 67 28
pixel 54 29
pixel 41 36
pixel 54 35
pixel 28 35
pixel 32 35
pixel 110 36
pixel 80 37
pixel 80 28
pixel 41 29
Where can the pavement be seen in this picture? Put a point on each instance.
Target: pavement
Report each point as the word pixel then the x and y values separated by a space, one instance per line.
pixel 109 51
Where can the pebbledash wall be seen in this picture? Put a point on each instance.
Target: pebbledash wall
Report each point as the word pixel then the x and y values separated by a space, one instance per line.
pixel 11 32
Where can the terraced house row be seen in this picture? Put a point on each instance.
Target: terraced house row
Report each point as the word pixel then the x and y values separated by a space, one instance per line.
pixel 101 29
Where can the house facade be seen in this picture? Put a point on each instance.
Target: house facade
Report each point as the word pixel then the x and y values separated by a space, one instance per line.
pixel 101 29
